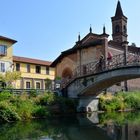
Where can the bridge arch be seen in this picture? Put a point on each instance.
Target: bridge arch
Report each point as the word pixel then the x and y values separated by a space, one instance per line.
pixel 108 78
pixel 93 84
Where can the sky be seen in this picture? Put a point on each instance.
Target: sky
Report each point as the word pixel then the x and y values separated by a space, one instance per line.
pixel 45 28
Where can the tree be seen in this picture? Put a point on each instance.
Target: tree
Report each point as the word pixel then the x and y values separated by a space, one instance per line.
pixel 48 83
pixel 9 77
pixel 133 44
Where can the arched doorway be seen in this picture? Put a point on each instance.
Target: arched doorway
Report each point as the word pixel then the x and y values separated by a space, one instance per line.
pixel 67 73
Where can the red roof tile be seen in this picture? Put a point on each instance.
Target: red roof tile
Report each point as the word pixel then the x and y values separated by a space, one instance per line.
pixel 31 61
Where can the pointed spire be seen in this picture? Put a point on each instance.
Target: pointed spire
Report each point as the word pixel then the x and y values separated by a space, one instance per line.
pixel 104 29
pixel 79 37
pixel 90 29
pixel 119 11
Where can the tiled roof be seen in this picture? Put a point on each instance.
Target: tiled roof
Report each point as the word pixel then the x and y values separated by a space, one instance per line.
pixel 75 48
pixel 31 61
pixel 7 39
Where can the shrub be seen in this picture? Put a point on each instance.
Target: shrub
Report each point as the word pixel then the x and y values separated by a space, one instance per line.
pixel 7 112
pixel 5 95
pixel 46 99
pixel 132 100
pixel 40 111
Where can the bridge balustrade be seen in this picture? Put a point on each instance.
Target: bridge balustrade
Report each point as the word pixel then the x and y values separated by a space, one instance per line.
pixel 97 67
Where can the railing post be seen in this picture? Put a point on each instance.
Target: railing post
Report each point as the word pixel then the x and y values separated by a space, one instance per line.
pixel 125 46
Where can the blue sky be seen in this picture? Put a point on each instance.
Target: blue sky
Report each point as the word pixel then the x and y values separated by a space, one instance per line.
pixel 45 28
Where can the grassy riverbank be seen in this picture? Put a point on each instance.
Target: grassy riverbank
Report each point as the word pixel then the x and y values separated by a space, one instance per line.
pixel 121 101
pixel 28 106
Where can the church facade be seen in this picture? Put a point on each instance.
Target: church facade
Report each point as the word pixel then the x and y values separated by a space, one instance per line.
pixel 90 49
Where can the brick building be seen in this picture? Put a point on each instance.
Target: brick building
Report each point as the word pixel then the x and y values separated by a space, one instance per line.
pixel 93 46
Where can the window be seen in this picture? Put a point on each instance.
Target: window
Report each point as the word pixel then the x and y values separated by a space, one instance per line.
pixel 2 67
pixel 37 85
pixel 38 69
pixel 28 67
pixel 28 85
pixel 3 50
pixel 47 70
pixel 124 29
pixel 17 67
pixel 117 29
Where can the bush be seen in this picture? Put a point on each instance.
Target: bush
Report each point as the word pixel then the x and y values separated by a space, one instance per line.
pixel 7 112
pixel 40 111
pixel 46 99
pixel 132 100
pixel 5 95
pixel 121 101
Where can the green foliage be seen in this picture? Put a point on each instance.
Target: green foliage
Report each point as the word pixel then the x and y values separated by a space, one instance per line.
pixel 48 83
pixel 133 100
pixel 33 93
pixel 5 95
pixel 9 77
pixel 7 112
pixel 121 101
pixel 46 99
pixel 40 111
pixel 27 106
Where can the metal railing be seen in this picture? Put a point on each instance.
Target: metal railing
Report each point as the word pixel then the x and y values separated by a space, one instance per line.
pixel 99 66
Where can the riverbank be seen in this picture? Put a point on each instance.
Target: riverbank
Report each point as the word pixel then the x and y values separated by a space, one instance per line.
pixel 15 107
pixel 122 101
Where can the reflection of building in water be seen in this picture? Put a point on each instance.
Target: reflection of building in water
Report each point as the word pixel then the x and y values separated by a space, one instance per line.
pixel 133 131
pixel 125 132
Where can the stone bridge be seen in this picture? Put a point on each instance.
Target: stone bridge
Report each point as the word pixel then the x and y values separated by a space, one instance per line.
pixel 90 79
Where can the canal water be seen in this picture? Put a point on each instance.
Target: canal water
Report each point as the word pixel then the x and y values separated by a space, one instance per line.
pixel 112 126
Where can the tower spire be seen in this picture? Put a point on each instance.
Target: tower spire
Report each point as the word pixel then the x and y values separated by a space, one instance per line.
pixel 90 29
pixel 119 11
pixel 79 37
pixel 119 25
pixel 104 29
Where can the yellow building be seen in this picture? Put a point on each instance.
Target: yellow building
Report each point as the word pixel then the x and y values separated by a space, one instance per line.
pixel 34 72
pixel 6 54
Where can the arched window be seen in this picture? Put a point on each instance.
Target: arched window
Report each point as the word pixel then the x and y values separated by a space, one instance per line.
pixel 124 29
pixel 117 29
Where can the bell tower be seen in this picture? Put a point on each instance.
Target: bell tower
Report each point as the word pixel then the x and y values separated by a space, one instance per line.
pixel 119 25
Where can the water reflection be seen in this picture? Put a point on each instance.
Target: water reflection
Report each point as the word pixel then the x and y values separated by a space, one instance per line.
pixel 113 126
pixel 121 126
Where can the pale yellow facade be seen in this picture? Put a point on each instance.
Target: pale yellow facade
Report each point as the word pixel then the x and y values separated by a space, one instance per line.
pixel 30 79
pixel 9 55
pixel 6 54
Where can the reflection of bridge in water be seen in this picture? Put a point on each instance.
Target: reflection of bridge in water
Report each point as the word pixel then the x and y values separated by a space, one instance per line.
pixel 90 79
pixel 124 130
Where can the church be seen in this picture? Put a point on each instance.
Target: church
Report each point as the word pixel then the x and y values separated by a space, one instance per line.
pixel 90 48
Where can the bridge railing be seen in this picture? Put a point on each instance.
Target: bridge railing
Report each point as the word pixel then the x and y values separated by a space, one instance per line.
pixel 99 66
